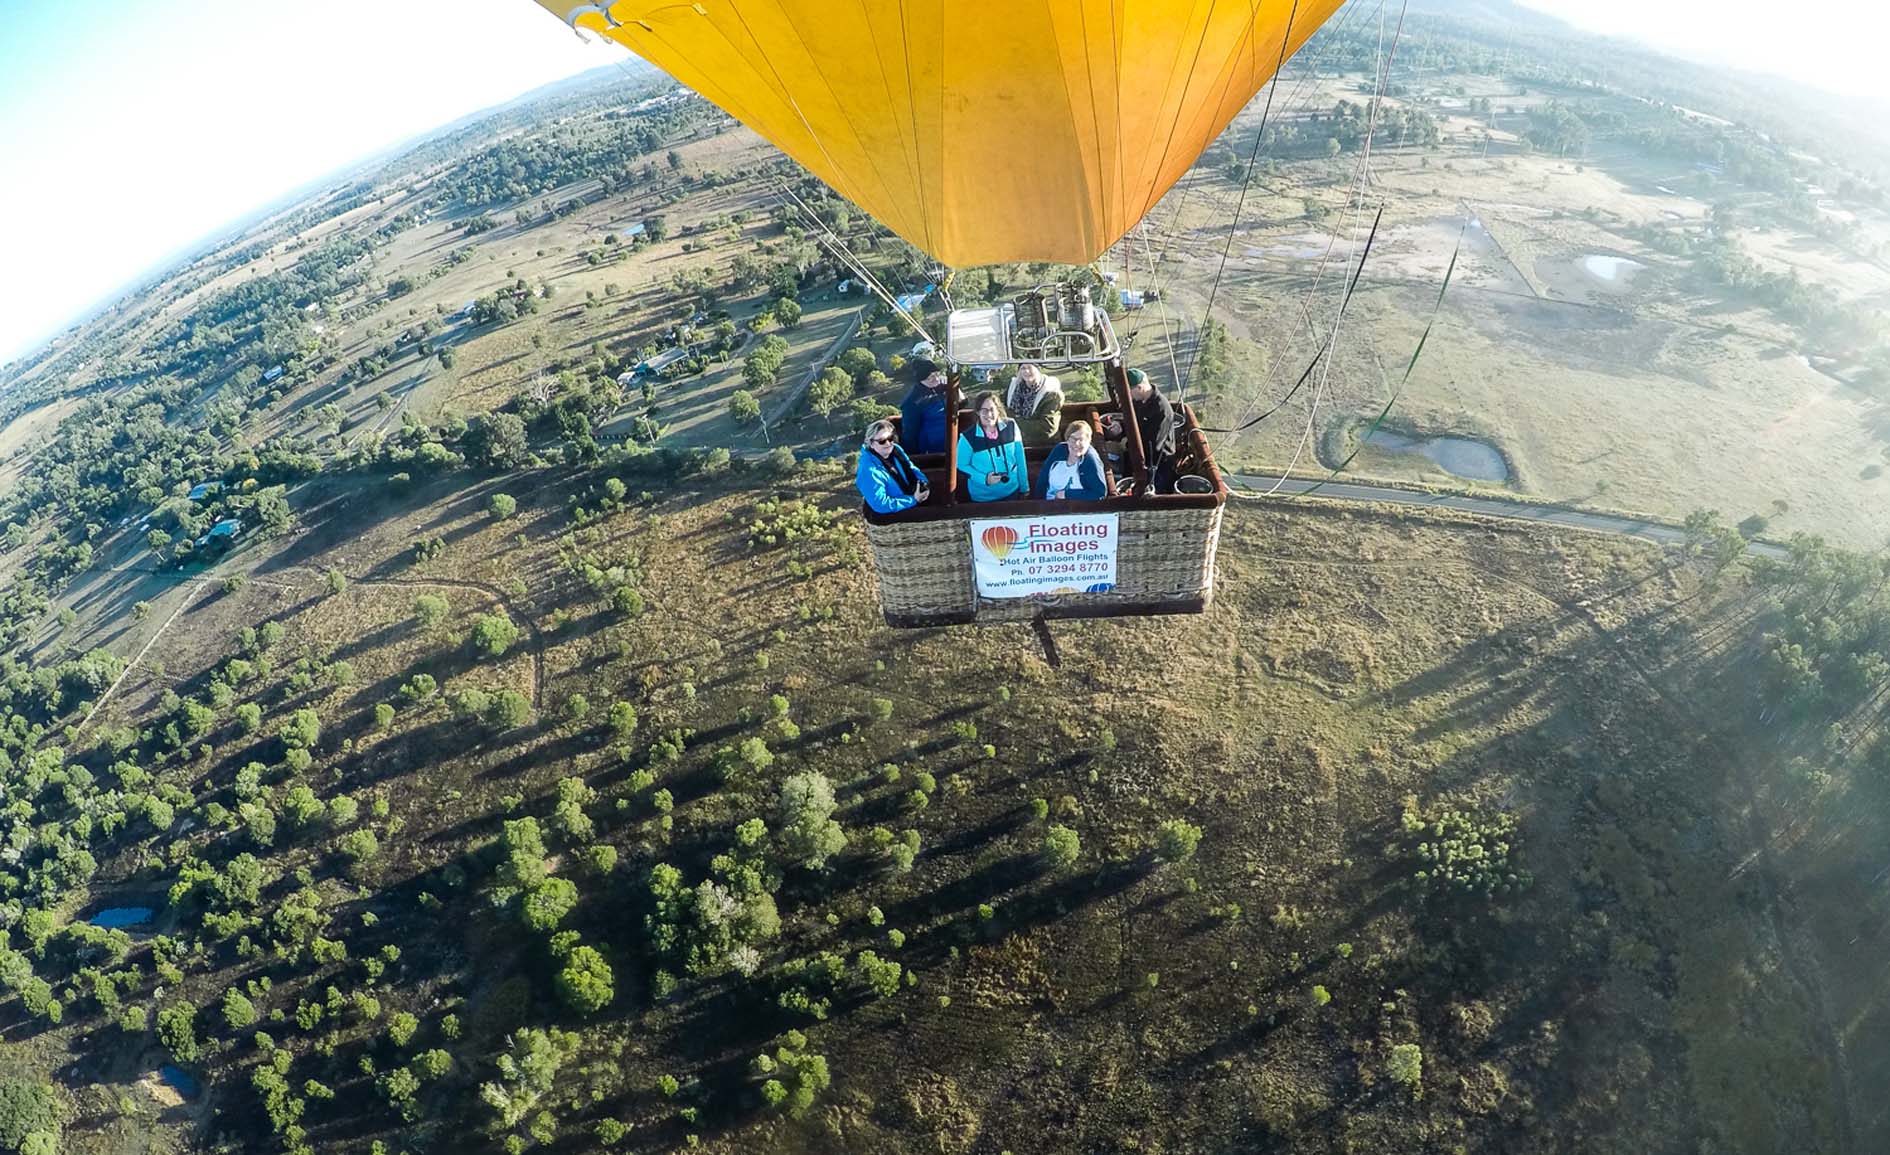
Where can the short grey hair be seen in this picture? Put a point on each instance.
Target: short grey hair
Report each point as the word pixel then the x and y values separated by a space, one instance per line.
pixel 883 425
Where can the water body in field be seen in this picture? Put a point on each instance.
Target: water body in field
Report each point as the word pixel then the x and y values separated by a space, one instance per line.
pixel 1613 270
pixel 119 917
pixel 1457 456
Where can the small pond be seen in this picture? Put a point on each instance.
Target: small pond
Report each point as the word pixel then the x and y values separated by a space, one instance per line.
pixel 179 1080
pixel 118 917
pixel 1457 456
pixel 1614 270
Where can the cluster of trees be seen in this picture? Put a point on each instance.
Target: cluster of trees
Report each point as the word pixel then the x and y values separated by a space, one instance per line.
pixel 1823 647
pixel 530 164
pixel 1719 263
pixel 509 304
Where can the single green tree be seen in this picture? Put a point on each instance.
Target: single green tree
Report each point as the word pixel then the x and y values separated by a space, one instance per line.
pixel 585 982
pixel 1061 847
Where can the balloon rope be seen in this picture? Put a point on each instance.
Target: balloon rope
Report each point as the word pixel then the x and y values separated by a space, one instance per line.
pixel 1207 314
pixel 1324 348
pixel 1361 178
pixel 1436 307
pixel 1371 131
pixel 838 247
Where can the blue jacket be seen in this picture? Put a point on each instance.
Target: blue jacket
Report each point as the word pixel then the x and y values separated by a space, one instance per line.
pixel 979 455
pixel 1089 476
pixel 922 420
pixel 887 484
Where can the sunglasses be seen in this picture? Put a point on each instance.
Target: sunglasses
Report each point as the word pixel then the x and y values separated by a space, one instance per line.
pixel 882 441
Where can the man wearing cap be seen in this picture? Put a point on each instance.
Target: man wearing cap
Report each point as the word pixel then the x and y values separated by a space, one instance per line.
pixel 1155 417
pixel 922 413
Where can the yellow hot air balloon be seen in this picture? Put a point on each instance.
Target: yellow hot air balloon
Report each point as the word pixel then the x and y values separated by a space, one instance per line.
pixel 982 131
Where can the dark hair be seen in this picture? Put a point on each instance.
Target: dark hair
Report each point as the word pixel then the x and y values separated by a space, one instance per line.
pixel 921 369
pixel 977 403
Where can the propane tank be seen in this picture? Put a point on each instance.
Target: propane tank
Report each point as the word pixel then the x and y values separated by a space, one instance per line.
pixel 1076 313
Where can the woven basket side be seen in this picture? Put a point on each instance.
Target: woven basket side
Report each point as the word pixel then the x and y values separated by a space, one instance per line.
pixel 924 567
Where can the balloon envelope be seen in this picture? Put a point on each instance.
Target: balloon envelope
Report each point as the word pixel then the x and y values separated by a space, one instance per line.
pixel 982 131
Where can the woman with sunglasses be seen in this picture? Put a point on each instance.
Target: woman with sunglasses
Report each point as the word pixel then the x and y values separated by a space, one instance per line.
pixel 991 454
pixel 887 478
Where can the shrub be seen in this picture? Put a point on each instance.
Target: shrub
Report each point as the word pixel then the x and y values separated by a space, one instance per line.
pixel 1405 1067
pixel 176 1029
pixel 301 807
pixel 470 702
pixel 569 818
pixel 493 634
pixel 881 976
pixel 755 753
pixel 1061 847
pixel 576 707
pixel 337 581
pixel 585 982
pixel 249 717
pixel 384 716
pixel 1176 840
pixel 26 1109
pixel 1460 851
pixel 430 610
pixel 527 1073
pixel 510 709
pixel 358 846
pixel 545 906
pixel 159 813
pixel 401 1028
pixel 808 833
pixel 501 506
pixel 1320 995
pixel 623 720
pixel 600 859
pixel 302 729
pixel 343 810
pixel 238 1011
pixel 609 1132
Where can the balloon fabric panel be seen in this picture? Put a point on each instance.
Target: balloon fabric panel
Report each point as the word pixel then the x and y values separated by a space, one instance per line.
pixel 982 131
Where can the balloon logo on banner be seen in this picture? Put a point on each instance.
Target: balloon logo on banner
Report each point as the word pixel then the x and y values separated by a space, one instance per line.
pixel 1000 540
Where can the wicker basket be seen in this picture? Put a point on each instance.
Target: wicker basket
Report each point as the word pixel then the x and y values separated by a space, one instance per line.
pixel 1164 550
pixel 1164 565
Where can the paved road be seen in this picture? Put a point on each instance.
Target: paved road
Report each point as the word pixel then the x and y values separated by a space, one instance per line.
pixel 1489 507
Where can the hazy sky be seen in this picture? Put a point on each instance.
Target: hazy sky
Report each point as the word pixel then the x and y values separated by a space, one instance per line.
pixel 1832 44
pixel 130 131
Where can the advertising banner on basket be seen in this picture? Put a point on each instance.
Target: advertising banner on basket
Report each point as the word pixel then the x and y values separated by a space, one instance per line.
pixel 1019 557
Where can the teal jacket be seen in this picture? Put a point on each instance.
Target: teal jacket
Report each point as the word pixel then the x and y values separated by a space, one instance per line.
pixel 979 456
